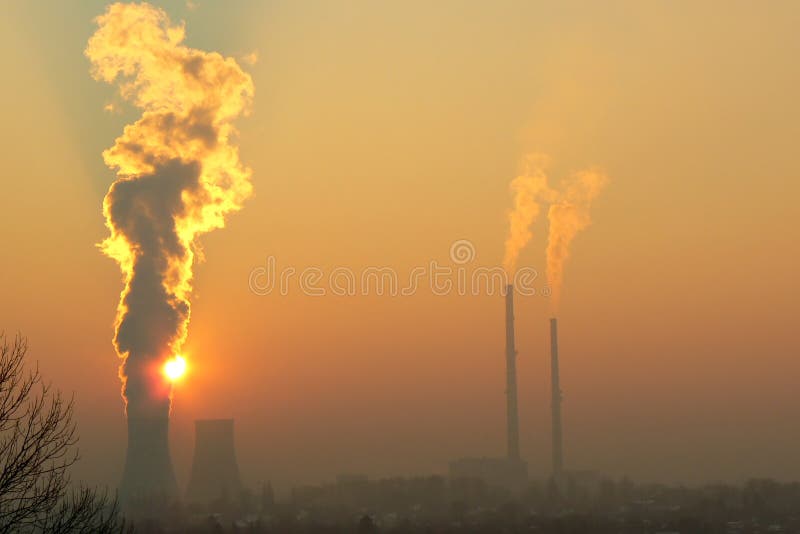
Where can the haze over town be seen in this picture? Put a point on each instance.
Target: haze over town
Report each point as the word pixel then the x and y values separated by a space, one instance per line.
pixel 360 149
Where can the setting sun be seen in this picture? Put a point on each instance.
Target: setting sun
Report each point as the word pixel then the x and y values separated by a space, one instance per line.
pixel 175 367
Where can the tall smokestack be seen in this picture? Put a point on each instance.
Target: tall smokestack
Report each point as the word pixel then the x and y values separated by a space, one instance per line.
pixel 148 471
pixel 511 378
pixel 558 453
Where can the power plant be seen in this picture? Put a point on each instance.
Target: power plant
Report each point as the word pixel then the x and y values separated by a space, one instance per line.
pixel 215 472
pixel 509 471
pixel 555 385
pixel 512 415
pixel 148 476
pixel 215 476
pixel 148 470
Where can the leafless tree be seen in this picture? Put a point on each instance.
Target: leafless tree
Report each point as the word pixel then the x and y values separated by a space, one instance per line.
pixel 37 448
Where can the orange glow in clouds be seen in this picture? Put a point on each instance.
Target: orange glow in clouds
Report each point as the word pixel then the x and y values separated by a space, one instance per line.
pixel 178 176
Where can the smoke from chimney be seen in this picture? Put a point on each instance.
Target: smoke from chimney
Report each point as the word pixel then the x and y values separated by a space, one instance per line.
pixel 528 187
pixel 568 215
pixel 178 173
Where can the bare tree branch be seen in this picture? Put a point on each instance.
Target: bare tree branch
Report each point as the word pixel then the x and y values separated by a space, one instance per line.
pixel 38 442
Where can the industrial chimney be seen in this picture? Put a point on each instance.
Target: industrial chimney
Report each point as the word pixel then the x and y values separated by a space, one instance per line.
pixel 148 469
pixel 215 473
pixel 511 378
pixel 555 384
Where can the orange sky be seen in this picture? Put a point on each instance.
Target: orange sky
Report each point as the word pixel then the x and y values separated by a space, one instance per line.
pixel 381 134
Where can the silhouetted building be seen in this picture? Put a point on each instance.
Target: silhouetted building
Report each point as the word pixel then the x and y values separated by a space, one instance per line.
pixel 215 473
pixel 497 472
pixel 267 496
pixel 512 416
pixel 351 478
pixel 510 472
pixel 555 391
pixel 148 473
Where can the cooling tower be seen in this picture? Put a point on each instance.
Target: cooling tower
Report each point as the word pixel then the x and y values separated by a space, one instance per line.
pixel 511 378
pixel 215 474
pixel 555 385
pixel 148 469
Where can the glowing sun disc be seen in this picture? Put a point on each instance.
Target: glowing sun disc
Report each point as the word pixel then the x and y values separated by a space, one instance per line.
pixel 175 367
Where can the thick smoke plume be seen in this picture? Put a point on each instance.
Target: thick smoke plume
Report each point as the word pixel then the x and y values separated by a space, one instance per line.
pixel 179 174
pixel 568 215
pixel 529 188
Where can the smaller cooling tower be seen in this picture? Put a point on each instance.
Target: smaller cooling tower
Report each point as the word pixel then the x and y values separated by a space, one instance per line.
pixel 148 468
pixel 215 474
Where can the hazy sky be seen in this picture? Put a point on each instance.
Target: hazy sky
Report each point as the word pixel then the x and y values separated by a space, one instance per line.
pixel 383 132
